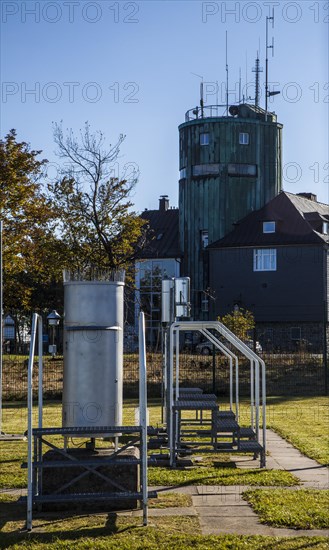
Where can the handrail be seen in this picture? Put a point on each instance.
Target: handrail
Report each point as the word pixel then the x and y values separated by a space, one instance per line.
pixel 36 327
pixel 208 111
pixel 143 412
pixel 243 348
pixel 228 353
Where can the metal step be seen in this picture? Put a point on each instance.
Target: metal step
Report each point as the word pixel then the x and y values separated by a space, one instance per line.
pixel 196 405
pixel 225 414
pixel 87 431
pixel 247 432
pixel 226 425
pixel 250 447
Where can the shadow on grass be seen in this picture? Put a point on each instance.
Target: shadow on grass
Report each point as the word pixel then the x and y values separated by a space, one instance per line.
pixel 44 521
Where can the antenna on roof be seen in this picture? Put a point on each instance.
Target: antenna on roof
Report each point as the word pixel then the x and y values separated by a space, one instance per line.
pixel 257 70
pixel 226 76
pixel 239 85
pixel 201 95
pixel 246 75
pixel 268 47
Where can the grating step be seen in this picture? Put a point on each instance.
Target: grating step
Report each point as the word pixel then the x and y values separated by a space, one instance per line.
pixel 247 432
pixel 250 447
pixel 225 414
pixel 226 425
pixel 87 431
pixel 195 405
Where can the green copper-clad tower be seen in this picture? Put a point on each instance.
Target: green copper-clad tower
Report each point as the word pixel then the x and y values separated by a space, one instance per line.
pixel 229 166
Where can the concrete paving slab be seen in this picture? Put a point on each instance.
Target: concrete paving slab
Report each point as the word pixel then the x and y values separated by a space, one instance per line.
pixel 235 511
pixel 250 526
pixel 219 500
pixel 221 489
pixel 283 456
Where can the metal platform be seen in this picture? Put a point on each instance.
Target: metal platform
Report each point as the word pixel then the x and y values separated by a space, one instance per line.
pixel 97 465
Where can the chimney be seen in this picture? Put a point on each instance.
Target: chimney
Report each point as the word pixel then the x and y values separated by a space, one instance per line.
pixel 309 196
pixel 163 203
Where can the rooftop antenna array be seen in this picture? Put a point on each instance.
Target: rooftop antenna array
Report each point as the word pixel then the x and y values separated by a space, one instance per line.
pixel 257 70
pixel 226 75
pixel 268 47
pixel 201 96
pixel 239 85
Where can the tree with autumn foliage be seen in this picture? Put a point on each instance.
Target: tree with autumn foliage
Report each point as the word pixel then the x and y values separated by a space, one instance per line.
pixel 30 248
pixel 240 321
pixel 93 208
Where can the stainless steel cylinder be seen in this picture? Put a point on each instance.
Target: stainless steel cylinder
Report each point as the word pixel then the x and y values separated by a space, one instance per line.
pixel 93 353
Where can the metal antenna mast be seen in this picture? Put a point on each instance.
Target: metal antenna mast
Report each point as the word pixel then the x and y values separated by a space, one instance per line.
pixel 266 61
pixel 201 95
pixel 257 70
pixel 226 78
pixel 267 92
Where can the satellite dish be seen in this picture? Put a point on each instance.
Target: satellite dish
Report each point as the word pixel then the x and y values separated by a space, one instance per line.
pixel 234 110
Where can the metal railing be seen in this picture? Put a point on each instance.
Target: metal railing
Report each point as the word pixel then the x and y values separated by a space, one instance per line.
pixel 208 111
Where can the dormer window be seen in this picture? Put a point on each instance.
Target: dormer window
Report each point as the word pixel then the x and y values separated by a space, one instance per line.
pixel 325 228
pixel 268 227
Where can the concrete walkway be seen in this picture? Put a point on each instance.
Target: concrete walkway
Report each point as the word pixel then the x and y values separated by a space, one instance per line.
pixel 221 509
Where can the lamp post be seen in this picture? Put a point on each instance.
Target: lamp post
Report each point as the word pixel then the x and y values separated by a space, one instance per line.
pixel 53 321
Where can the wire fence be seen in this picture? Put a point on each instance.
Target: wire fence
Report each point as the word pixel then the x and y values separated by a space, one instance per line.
pixel 299 373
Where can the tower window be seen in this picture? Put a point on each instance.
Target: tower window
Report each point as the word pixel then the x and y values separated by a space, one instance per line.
pixel 204 239
pixel 268 227
pixel 204 139
pixel 205 169
pixel 325 228
pixel 241 170
pixel 243 138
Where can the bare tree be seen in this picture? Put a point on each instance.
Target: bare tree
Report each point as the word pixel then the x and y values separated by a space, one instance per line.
pixel 92 201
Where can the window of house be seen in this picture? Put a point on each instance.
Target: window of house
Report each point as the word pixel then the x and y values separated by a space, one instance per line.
pixel 243 138
pixel 249 170
pixel 265 259
pixel 204 139
pixel 268 227
pixel 204 239
pixel 325 228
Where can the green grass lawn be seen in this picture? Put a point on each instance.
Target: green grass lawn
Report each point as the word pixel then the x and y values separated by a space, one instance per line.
pixel 300 509
pixel 119 532
pixel 304 422
pixel 213 470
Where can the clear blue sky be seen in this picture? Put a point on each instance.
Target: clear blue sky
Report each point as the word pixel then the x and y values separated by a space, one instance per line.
pixel 126 67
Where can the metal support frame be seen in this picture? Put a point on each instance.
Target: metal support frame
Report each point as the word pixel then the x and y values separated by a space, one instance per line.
pixel 36 327
pixel 143 412
pixel 37 437
pixel 258 378
pixel 228 353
